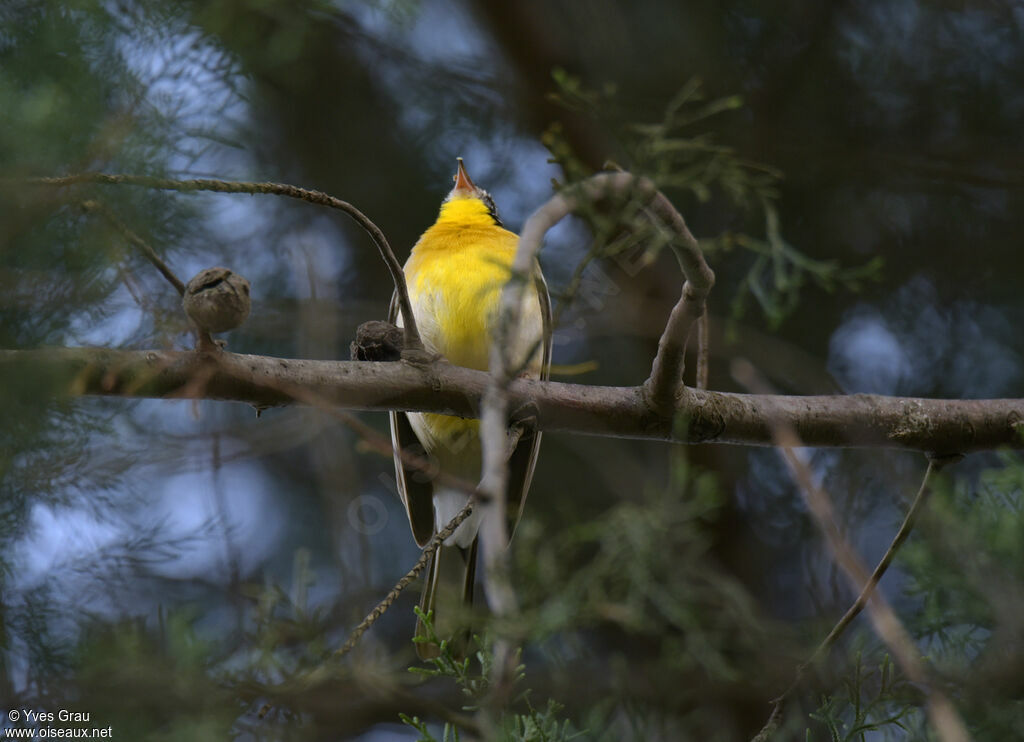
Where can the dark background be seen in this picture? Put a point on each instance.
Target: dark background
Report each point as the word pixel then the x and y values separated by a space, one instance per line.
pixel 152 533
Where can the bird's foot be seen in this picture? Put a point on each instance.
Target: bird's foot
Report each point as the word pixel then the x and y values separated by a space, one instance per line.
pixel 523 421
pixel 421 357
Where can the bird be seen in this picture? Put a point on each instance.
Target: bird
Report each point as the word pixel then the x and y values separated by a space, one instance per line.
pixel 455 274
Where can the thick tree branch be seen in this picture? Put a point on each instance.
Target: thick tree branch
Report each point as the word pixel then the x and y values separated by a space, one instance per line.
pixel 861 420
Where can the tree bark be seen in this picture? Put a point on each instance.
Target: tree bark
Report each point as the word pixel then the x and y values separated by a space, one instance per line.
pixel 862 420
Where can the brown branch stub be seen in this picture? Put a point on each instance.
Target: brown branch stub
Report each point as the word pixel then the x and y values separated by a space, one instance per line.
pixel 412 337
pixel 377 340
pixel 854 421
pixel 666 379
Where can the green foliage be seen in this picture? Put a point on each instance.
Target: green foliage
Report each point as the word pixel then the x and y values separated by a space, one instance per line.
pixel 674 156
pixel 150 684
pixel 966 575
pixel 448 734
pixel 643 568
pixel 529 725
pixel 69 101
pixel 62 107
pixel 984 518
pixel 963 605
pixel 682 155
pixel 870 700
pixel 447 665
pixel 780 270
pixel 287 636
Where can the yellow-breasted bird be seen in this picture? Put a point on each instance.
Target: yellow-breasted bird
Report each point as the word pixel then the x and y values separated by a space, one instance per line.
pixel 455 274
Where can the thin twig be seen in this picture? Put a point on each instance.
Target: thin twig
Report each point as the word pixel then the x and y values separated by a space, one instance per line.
pixel 412 574
pixel 935 464
pixel 942 714
pixel 501 597
pixel 412 336
pixel 774 718
pixel 150 254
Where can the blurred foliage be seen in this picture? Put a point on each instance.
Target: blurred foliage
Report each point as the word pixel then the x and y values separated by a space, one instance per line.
pixel 165 673
pixel 680 155
pixel 874 700
pixel 962 603
pixel 69 102
pixel 967 587
pixel 643 568
pixel 651 607
pixel 529 726
pixel 145 683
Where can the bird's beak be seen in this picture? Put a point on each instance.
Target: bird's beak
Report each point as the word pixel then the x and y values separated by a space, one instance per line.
pixel 462 182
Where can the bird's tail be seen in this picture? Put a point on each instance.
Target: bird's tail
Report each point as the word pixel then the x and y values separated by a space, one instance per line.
pixel 448 592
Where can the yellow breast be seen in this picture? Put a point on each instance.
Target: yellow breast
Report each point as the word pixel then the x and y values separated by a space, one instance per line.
pixel 455 274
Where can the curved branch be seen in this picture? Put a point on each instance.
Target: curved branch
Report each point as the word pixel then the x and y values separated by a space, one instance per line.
pixel 412 336
pixel 666 377
pixel 204 340
pixel 861 420
pixel 662 386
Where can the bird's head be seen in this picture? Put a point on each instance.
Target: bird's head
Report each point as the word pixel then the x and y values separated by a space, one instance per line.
pixel 466 197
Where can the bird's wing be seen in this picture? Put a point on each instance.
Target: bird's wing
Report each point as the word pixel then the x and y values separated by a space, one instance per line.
pixel 417 495
pixel 524 458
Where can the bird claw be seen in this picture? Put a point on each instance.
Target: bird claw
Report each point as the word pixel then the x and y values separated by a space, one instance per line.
pixel 526 417
pixel 420 357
